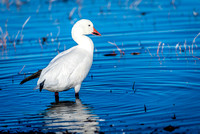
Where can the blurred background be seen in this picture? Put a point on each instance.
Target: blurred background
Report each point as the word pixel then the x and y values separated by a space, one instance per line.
pixel 144 78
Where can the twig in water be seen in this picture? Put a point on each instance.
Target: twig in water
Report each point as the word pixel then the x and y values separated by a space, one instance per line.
pixel 6 27
pixel 173 3
pixel 185 46
pixel 38 9
pixel 79 11
pixel 109 5
pixel 174 117
pixel 196 57
pixel 16 38
pixel 177 45
pixel 79 1
pixel 22 69
pixel 26 22
pixel 1 30
pixel 24 26
pixel 6 2
pixel 18 3
pixel 50 4
pixel 1 43
pixel 158 48
pixel 145 108
pixel 3 36
pixel 71 13
pixel 194 42
pixel 135 4
pixel 121 52
pixel 180 48
pixel 189 48
pixel 163 47
pixel 195 13
pixel 40 43
pixel 52 39
pixel 149 52
pixel 58 47
pixel 1 40
pixel 44 39
pixel 58 33
pixel 133 87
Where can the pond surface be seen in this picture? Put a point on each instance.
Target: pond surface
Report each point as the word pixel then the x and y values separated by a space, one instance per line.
pixel 151 85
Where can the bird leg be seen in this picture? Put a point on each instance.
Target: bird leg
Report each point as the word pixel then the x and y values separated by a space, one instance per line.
pixel 77 95
pixel 77 89
pixel 56 97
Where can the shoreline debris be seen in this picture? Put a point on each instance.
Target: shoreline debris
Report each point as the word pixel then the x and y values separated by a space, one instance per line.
pixel 170 128
pixel 120 50
pixel 111 54
pixel 21 69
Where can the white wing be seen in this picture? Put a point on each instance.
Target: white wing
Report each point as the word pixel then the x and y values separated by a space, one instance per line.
pixel 62 53
pixel 67 69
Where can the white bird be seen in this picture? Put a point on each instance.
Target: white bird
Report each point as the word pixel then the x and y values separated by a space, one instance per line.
pixel 69 68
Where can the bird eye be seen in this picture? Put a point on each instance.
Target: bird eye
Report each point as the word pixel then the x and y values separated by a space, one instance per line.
pixel 89 25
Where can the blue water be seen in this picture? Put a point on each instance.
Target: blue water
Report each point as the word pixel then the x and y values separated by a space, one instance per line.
pixel 129 93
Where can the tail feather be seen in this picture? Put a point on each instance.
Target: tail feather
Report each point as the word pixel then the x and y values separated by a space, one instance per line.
pixel 33 76
pixel 41 85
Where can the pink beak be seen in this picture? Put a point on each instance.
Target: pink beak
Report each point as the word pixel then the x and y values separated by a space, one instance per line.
pixel 95 32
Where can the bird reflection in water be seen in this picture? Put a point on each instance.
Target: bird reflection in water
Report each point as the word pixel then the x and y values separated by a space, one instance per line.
pixel 71 116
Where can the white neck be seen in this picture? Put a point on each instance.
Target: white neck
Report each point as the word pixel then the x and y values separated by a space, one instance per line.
pixel 83 42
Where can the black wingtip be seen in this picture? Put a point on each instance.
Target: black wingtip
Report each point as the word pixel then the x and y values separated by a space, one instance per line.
pixel 41 85
pixel 25 80
pixel 21 83
pixel 33 76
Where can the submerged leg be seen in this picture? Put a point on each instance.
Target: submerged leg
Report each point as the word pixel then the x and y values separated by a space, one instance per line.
pixel 56 97
pixel 77 89
pixel 77 95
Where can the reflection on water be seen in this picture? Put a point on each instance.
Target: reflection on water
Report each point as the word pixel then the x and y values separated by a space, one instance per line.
pixel 71 116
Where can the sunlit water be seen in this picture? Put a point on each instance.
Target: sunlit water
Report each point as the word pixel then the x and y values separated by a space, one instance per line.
pixel 148 88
